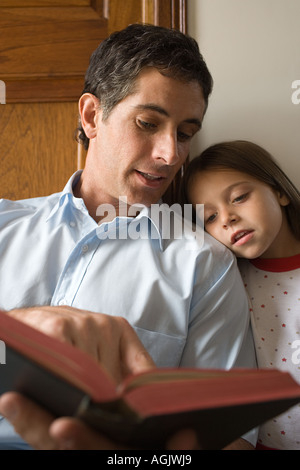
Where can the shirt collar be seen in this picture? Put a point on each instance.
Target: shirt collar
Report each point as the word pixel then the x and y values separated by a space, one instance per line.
pixel 68 190
pixel 67 194
pixel 145 212
pixel 156 228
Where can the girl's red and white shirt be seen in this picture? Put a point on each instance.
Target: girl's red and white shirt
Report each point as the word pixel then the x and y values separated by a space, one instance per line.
pixel 273 286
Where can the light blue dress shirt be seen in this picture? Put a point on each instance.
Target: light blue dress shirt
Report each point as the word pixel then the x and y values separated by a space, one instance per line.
pixel 184 297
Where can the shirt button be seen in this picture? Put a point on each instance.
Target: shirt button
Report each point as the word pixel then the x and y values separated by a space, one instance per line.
pixel 84 248
pixel 63 302
pixel 72 224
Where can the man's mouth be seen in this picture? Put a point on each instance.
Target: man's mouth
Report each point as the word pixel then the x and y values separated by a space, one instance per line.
pixel 241 237
pixel 149 176
pixel 151 180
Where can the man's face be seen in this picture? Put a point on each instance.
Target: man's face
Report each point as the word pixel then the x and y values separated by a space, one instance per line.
pixel 140 147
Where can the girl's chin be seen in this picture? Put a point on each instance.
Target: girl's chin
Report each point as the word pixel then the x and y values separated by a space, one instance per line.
pixel 250 254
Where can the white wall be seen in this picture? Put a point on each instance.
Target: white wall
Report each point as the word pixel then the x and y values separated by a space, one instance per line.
pixel 252 49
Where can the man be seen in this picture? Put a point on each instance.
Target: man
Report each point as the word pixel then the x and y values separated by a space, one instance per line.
pixel 97 247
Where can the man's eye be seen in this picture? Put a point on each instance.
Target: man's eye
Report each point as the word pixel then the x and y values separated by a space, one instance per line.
pixel 182 137
pixel 146 125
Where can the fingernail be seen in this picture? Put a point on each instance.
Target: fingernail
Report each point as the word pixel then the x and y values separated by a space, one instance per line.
pixel 7 408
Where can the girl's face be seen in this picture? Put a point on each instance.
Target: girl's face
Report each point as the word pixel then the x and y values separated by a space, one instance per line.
pixel 241 212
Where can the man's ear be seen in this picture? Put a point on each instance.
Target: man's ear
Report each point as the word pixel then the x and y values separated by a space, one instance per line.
pixel 88 108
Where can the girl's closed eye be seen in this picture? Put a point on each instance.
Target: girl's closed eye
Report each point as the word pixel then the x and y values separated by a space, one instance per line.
pixel 240 198
pixel 211 218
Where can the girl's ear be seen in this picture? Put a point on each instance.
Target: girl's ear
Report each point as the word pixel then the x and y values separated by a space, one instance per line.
pixel 283 199
pixel 88 108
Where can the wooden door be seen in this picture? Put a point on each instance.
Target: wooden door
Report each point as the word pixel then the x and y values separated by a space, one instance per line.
pixel 45 47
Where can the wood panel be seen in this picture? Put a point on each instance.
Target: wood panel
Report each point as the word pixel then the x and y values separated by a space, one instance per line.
pixel 45 50
pixel 168 13
pixel 45 47
pixel 38 151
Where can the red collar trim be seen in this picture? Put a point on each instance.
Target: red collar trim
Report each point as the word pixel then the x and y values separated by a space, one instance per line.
pixel 277 265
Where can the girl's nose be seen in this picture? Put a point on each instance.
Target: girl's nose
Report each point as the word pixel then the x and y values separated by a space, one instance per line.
pixel 228 220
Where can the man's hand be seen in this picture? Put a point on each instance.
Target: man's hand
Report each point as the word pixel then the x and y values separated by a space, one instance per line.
pixel 39 429
pixel 109 339
pixel 114 344
pixel 45 433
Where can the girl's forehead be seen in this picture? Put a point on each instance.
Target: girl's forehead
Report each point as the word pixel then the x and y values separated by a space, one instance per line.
pixel 209 183
pixel 220 174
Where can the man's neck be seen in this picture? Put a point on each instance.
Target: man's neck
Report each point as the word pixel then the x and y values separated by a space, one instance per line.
pixel 102 207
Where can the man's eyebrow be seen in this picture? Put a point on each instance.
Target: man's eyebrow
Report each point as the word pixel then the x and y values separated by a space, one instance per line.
pixel 152 107
pixel 160 110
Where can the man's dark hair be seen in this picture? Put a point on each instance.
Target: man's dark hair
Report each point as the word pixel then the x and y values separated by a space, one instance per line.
pixel 118 60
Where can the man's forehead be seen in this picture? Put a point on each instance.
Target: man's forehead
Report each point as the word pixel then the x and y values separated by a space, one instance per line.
pixel 160 93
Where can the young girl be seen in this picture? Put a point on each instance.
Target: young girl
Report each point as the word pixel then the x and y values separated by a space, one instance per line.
pixel 252 207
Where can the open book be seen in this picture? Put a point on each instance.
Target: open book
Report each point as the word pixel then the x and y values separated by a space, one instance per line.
pixel 146 408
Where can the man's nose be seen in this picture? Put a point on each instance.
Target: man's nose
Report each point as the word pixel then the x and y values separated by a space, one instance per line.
pixel 167 150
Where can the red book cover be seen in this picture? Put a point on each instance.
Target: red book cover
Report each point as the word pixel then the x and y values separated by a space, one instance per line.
pixel 146 408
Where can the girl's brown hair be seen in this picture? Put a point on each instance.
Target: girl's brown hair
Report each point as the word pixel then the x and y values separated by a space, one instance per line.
pixel 252 159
